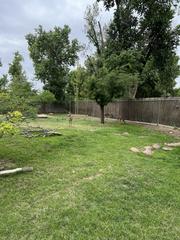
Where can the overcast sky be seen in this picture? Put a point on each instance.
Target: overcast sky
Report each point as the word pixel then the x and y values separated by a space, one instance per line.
pixel 20 17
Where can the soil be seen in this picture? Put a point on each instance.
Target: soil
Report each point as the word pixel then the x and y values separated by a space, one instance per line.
pixel 161 128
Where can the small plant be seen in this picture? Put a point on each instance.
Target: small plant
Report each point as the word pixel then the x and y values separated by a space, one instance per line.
pixel 14 117
pixel 7 128
pixel 10 125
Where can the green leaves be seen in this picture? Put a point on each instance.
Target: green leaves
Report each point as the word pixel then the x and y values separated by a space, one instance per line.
pixel 3 82
pixel 53 53
pixel 18 95
pixel 46 97
pixel 145 27
pixel 10 125
pixel 77 83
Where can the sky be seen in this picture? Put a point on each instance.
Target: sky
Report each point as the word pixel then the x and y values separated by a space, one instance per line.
pixel 20 17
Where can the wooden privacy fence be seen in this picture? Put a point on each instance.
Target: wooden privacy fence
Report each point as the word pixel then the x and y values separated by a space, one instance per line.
pixel 152 110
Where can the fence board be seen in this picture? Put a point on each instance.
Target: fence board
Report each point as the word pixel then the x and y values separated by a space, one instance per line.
pixel 153 110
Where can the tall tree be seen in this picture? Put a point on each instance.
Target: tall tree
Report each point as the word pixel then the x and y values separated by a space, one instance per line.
pixel 159 41
pixel 77 83
pixel 94 30
pixel 104 83
pixel 3 82
pixel 19 86
pixel 146 26
pixel 20 90
pixel 53 53
pixel 109 76
pixel 98 82
pixel 122 32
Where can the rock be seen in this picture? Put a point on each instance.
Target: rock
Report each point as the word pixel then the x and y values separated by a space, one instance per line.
pixel 171 132
pixel 148 150
pixel 125 134
pixel 167 148
pixel 135 150
pixel 42 115
pixel 173 144
pixel 156 146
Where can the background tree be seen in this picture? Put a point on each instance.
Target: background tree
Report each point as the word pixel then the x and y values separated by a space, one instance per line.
pixel 98 79
pixel 3 82
pixel 22 97
pixel 53 53
pixel 94 30
pixel 177 92
pixel 77 83
pixel 110 75
pixel 4 102
pixel 104 84
pixel 45 97
pixel 146 26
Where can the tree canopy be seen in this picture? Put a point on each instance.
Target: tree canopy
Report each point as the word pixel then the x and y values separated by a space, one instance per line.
pixel 111 74
pixel 77 83
pixel 53 53
pixel 19 95
pixel 146 27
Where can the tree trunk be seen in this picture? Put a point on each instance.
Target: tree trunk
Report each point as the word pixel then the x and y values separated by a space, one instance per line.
pixel 102 113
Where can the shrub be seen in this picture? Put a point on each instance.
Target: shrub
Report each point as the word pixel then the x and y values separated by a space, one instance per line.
pixel 10 125
pixel 14 117
pixel 7 128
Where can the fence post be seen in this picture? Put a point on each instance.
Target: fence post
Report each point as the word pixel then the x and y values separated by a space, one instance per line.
pixel 159 107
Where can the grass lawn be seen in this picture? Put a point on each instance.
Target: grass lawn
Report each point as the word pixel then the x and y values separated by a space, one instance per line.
pixel 87 185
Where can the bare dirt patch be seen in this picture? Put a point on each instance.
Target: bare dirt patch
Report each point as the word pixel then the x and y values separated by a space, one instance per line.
pixel 161 128
pixel 90 178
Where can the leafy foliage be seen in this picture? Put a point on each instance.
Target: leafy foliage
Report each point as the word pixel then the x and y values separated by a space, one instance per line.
pixel 77 83
pixel 14 117
pixel 21 96
pixel 46 97
pixel 5 100
pixel 7 128
pixel 177 92
pixel 146 27
pixel 105 81
pixel 3 82
pixel 94 31
pixel 111 73
pixel 53 53
pixel 10 125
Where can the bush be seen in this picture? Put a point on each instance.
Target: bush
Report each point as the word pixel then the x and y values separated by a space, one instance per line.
pixel 10 125
pixel 14 117
pixel 7 128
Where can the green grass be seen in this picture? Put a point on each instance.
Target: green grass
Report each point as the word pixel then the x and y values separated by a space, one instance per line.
pixel 87 185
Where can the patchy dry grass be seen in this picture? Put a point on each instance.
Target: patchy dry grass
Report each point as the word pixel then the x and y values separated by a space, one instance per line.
pixel 87 184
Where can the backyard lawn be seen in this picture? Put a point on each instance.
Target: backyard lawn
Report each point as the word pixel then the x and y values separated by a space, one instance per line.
pixel 88 185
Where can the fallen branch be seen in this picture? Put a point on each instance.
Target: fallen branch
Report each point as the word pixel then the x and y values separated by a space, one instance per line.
pixel 177 144
pixel 39 132
pixel 16 170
